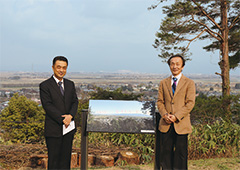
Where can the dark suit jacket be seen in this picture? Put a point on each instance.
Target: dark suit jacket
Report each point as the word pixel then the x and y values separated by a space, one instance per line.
pixel 180 104
pixel 56 105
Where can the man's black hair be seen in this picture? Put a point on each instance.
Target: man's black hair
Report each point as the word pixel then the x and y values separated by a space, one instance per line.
pixel 183 60
pixel 61 58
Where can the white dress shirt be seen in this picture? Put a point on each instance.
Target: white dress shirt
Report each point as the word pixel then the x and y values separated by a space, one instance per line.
pixel 58 81
pixel 178 78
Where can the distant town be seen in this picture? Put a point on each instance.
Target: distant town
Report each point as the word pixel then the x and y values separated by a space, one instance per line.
pixel 27 84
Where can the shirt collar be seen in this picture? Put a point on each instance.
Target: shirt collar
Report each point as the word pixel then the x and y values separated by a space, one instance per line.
pixel 178 76
pixel 57 79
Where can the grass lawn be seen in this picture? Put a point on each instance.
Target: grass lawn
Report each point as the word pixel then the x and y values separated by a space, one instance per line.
pixel 215 164
pixel 202 164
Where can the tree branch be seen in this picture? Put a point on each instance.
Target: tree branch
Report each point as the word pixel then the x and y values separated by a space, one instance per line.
pixel 154 6
pixel 190 40
pixel 205 30
pixel 218 74
pixel 211 32
pixel 182 31
pixel 234 22
pixel 205 13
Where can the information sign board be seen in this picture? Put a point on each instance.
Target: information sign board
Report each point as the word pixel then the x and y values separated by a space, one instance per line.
pixel 121 116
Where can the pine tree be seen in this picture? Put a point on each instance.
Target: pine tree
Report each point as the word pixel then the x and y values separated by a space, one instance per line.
pixel 215 20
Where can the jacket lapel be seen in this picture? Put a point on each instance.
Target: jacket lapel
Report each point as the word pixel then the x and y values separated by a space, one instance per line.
pixel 56 87
pixel 66 90
pixel 169 86
pixel 181 83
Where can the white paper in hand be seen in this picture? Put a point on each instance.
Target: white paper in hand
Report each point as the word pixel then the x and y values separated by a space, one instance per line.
pixel 70 127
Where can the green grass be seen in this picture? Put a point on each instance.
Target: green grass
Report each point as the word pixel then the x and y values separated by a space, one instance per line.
pixel 201 164
pixel 215 164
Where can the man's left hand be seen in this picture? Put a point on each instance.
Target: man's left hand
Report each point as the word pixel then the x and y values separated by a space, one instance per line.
pixel 67 119
pixel 172 118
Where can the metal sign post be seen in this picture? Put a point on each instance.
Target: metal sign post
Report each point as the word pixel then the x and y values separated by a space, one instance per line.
pixel 157 160
pixel 84 141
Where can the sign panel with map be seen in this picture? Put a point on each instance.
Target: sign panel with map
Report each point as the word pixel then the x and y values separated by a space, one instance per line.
pixel 121 116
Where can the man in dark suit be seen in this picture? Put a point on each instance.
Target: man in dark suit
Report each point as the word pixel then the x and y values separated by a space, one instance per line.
pixel 60 102
pixel 176 99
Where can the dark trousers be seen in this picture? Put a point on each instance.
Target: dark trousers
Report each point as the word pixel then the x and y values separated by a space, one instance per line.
pixel 59 151
pixel 174 150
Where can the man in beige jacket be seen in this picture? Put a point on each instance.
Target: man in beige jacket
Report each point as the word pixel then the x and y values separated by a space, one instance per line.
pixel 176 99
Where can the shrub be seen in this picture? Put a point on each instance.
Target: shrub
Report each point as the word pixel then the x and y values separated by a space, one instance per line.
pixel 220 139
pixel 209 109
pixel 22 120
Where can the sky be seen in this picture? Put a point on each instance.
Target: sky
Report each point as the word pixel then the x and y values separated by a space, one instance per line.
pixel 95 36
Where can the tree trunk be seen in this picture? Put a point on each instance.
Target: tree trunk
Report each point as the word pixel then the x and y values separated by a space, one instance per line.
pixel 74 160
pixel 44 163
pixel 129 157
pixel 224 63
pixel 105 160
pixel 91 160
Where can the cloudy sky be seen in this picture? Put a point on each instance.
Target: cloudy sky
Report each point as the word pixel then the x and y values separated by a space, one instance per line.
pixel 95 35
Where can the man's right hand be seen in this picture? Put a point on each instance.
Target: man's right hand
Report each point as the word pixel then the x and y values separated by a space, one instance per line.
pixel 166 119
pixel 67 119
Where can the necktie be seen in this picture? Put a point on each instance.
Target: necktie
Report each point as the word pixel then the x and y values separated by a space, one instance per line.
pixel 61 88
pixel 174 85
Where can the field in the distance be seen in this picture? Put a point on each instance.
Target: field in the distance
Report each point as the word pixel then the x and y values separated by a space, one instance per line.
pixel 18 80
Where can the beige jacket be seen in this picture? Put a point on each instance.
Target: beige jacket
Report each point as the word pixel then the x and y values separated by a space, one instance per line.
pixel 179 105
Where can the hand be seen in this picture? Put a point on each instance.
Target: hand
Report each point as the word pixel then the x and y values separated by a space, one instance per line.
pixel 67 119
pixel 167 119
pixel 172 118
